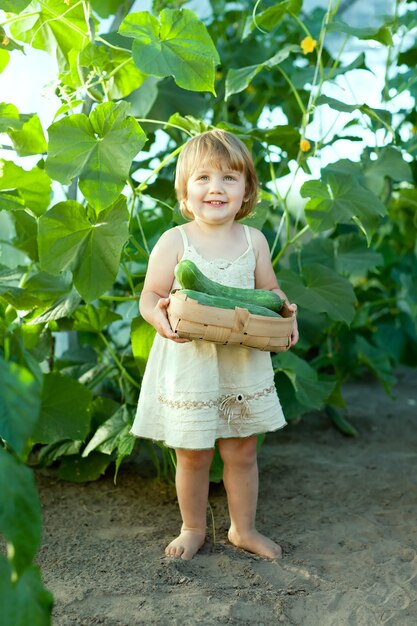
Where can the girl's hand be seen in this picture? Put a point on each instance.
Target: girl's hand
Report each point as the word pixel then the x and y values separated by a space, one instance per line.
pixel 161 322
pixel 295 334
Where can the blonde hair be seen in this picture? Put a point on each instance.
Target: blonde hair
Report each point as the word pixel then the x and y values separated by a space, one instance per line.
pixel 216 148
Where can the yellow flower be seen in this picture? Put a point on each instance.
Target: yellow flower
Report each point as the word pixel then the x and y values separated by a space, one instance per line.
pixel 305 145
pixel 5 41
pixel 308 44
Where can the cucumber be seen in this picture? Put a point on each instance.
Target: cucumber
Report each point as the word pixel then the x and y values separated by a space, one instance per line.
pixel 341 422
pixel 190 277
pixel 226 303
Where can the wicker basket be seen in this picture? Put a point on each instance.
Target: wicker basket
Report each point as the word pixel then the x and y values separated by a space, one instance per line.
pixel 235 326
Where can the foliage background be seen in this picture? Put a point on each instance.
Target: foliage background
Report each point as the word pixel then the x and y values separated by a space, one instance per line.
pixel 83 201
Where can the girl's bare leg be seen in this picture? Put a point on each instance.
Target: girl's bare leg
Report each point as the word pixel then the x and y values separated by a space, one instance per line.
pixel 192 483
pixel 240 478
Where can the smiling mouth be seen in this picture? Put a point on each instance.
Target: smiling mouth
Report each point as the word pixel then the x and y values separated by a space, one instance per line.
pixel 215 202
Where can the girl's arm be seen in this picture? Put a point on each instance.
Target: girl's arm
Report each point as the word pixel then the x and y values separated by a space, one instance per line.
pixel 265 276
pixel 159 278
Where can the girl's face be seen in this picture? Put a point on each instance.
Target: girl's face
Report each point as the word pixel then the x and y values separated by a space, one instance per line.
pixel 215 196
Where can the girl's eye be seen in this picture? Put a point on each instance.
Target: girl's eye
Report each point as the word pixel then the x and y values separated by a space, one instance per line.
pixel 229 178
pixel 203 177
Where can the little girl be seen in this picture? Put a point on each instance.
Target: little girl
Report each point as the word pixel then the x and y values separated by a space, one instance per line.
pixel 196 393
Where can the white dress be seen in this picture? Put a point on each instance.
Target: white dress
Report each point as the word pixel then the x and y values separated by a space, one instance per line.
pixel 197 392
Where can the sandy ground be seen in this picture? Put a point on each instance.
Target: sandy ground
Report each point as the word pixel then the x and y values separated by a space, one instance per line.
pixel 344 510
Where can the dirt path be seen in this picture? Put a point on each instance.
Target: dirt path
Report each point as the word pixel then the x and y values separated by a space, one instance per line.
pixel 344 510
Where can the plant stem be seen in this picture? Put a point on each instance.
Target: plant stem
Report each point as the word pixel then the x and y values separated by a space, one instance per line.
pixel 17 18
pixel 162 164
pixel 118 298
pixel 258 2
pixel 288 243
pixel 162 123
pixel 293 89
pixel 385 91
pixel 213 525
pixel 115 358
pixel 138 247
pixel 142 232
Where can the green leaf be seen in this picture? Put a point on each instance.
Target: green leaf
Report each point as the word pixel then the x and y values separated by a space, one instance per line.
pixel 340 199
pixel 63 307
pixel 273 15
pixel 144 98
pixel 26 227
pixel 53 26
pixel 358 63
pixel 68 240
pixel 377 361
pixel 99 150
pixel 283 135
pixel 382 34
pixel 58 419
pixel 125 446
pixel 379 115
pixel 9 117
pixel 178 45
pixel 20 400
pixel 30 138
pixel 40 290
pixel 4 59
pixel 11 201
pixel 19 299
pixel 321 290
pixel 79 470
pixel 14 6
pixel 54 451
pixel 7 44
pixel 47 287
pixel 104 8
pixel 189 123
pixel 25 601
pixel 111 66
pixel 92 319
pixel 332 294
pixel 354 257
pixel 318 250
pixel 127 78
pixel 107 437
pixel 32 188
pixel 310 390
pixel 258 215
pixel 142 335
pixel 238 80
pixel 390 163
pixel 20 511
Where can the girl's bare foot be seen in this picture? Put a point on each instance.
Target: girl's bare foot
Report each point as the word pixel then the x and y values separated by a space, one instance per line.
pixel 253 541
pixel 186 545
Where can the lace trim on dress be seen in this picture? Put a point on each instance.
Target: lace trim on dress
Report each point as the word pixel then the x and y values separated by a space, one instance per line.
pixel 230 406
pixel 220 262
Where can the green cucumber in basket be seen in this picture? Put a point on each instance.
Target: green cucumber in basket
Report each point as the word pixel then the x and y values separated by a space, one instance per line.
pixel 226 303
pixel 190 277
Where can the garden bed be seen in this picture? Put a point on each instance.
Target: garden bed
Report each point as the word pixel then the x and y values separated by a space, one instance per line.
pixel 343 509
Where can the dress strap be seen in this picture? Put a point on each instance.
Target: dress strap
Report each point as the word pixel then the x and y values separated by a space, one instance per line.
pixel 248 235
pixel 184 237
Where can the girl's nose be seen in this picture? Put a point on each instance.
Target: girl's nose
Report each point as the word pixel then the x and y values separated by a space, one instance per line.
pixel 216 185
